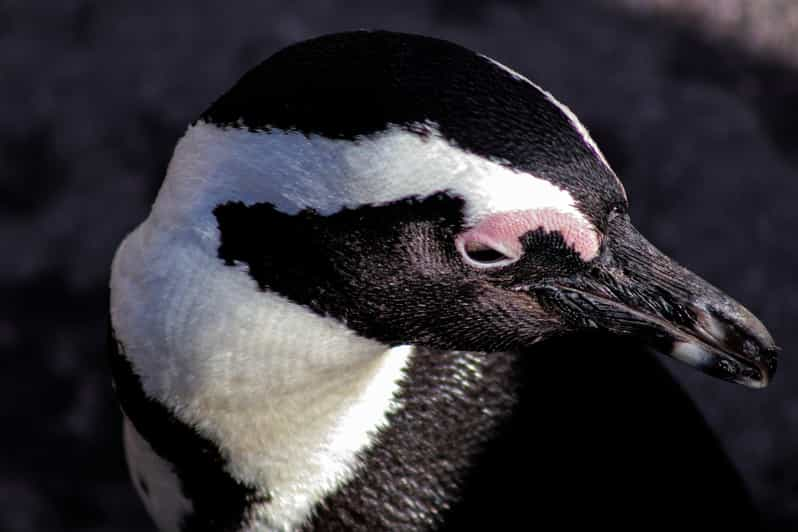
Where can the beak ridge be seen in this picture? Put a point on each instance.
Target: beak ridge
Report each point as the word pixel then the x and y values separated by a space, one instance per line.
pixel 639 291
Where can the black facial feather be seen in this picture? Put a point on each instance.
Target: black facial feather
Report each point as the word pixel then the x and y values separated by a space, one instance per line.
pixel 548 256
pixel 392 273
pixel 356 84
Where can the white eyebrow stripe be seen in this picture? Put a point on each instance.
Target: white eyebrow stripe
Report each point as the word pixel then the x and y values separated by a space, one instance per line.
pixel 572 118
pixel 292 171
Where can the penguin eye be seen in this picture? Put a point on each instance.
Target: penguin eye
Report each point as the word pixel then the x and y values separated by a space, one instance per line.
pixel 479 252
pixel 483 255
pixel 493 242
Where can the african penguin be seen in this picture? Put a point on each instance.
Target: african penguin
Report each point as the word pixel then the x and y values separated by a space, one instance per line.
pixel 390 284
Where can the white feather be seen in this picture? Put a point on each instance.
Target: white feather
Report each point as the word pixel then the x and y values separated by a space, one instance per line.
pixel 292 171
pixel 289 396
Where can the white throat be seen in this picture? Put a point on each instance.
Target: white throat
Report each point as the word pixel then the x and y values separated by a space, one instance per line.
pixel 289 397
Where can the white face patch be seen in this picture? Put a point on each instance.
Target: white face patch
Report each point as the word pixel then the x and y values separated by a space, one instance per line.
pixel 293 172
pixel 572 118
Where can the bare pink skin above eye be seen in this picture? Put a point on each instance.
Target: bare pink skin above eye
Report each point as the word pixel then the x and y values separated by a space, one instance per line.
pixel 503 231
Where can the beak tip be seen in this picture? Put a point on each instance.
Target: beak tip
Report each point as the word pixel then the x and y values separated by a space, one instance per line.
pixel 746 352
pixel 731 323
pixel 754 371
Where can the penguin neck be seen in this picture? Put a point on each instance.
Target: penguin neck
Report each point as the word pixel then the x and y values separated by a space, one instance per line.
pixel 289 397
pixel 323 422
pixel 455 409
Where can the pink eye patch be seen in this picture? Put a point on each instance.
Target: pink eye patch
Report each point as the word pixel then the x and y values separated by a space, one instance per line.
pixel 503 231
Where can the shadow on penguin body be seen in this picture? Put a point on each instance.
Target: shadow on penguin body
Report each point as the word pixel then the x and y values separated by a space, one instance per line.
pixel 603 436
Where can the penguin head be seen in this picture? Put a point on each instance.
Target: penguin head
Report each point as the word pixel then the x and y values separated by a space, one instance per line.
pixel 420 193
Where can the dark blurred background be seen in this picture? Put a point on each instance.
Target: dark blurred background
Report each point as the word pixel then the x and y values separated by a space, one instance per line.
pixel 695 104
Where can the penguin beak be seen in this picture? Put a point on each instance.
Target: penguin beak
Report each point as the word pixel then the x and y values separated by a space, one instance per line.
pixel 633 289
